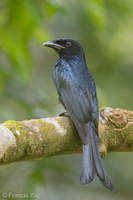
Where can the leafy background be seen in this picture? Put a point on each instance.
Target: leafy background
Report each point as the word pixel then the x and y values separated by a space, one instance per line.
pixel 105 29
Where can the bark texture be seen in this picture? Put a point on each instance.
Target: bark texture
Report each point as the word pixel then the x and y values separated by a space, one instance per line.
pixel 37 139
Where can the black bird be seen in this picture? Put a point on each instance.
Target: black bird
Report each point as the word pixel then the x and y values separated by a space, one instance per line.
pixel 77 93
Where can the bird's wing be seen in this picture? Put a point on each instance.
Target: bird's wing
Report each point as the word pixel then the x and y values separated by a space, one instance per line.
pixel 81 104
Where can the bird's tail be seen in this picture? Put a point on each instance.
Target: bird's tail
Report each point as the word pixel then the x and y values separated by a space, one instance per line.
pixel 92 164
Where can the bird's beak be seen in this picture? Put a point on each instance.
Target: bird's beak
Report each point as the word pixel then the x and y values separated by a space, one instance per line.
pixel 53 45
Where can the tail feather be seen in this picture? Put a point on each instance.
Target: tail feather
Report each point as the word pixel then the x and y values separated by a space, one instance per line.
pixel 92 164
pixel 88 171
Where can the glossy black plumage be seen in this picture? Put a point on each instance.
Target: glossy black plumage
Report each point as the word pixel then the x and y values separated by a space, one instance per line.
pixel 77 93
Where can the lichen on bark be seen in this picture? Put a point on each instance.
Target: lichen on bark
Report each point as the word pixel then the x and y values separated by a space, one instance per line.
pixel 40 138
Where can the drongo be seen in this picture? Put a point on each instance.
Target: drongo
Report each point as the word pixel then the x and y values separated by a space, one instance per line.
pixel 77 93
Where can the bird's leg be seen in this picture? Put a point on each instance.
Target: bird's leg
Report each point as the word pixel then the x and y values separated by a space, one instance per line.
pixel 64 114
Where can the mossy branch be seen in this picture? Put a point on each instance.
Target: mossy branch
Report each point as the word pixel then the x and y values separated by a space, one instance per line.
pixel 37 139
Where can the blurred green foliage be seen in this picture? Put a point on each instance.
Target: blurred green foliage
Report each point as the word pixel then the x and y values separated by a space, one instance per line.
pixel 104 28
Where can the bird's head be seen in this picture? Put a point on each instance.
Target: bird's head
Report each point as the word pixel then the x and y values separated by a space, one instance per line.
pixel 66 47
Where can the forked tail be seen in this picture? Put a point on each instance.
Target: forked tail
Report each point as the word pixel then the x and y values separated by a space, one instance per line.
pixel 92 164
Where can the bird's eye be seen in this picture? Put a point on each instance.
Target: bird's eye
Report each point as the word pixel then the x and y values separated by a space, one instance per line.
pixel 68 44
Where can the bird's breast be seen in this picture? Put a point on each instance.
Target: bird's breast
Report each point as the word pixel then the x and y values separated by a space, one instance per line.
pixel 71 78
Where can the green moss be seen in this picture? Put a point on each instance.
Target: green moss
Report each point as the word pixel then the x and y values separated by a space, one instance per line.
pixel 13 125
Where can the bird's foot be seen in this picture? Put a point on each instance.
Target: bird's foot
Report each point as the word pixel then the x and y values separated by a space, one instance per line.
pixel 64 114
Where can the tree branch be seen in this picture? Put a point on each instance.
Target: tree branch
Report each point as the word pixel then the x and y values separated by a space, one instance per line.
pixel 37 139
